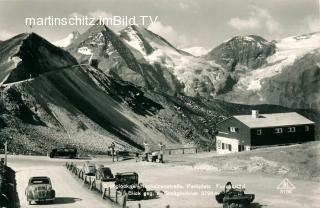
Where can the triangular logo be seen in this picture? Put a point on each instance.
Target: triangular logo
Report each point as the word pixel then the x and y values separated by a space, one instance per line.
pixel 286 185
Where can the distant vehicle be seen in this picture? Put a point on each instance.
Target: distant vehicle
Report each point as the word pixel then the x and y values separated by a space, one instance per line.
pixel 63 152
pixel 104 174
pixel 89 168
pixel 234 197
pixel 40 190
pixel 129 182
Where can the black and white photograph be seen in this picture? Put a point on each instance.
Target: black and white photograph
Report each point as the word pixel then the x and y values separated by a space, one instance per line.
pixel 159 103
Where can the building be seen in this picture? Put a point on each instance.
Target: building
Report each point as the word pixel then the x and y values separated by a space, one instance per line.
pixel 246 132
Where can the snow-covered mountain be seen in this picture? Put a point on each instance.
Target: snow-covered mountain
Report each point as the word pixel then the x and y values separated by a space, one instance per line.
pixel 65 42
pixel 289 77
pixel 243 69
pixel 154 63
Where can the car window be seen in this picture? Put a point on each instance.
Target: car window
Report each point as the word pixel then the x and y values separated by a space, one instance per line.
pixel 106 171
pixel 39 181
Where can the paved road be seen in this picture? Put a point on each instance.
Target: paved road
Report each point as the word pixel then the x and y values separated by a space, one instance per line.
pixel 69 191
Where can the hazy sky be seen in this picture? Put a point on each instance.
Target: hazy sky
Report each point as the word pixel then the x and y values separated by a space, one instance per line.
pixel 185 23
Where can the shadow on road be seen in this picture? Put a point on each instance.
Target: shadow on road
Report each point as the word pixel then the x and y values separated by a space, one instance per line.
pixel 257 205
pixel 66 200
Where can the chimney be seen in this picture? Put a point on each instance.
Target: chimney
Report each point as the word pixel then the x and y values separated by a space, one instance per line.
pixel 255 114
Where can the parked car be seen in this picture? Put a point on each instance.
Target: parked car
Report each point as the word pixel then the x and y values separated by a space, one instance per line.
pixel 104 174
pixel 129 182
pixel 63 152
pixel 89 168
pixel 40 190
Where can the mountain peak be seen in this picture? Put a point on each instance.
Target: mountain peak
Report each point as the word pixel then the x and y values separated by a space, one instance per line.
pixel 18 60
pixel 250 51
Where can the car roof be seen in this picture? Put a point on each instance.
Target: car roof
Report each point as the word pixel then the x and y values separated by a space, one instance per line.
pixel 40 177
pixel 128 173
pixel 73 148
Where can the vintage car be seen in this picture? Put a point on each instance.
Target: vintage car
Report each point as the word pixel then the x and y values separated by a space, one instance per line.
pixel 40 190
pixel 129 182
pixel 89 168
pixel 104 174
pixel 234 197
pixel 63 152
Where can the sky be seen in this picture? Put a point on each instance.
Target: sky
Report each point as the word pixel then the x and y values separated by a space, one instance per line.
pixel 184 23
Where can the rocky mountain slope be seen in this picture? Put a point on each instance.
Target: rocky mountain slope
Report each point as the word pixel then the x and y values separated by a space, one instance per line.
pixel 244 69
pixel 289 77
pixel 148 60
pixel 48 99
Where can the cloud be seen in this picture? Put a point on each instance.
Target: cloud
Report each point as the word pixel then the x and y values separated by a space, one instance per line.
pixel 188 6
pixel 4 35
pixel 76 14
pixel 244 24
pixel 99 13
pixel 168 33
pixel 313 23
pixel 258 18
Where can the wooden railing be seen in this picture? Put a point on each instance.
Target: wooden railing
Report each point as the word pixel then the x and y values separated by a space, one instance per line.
pixel 181 150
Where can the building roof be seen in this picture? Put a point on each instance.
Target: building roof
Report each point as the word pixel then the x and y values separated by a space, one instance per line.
pixel 274 119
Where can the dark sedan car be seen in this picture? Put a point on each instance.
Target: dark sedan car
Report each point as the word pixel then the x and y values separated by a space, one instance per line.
pixel 104 174
pixel 64 152
pixel 40 190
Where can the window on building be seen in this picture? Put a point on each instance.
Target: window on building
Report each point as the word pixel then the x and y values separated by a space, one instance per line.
pixel 306 128
pixel 233 129
pixel 241 148
pixel 278 130
pixel 259 132
pixel 229 147
pixel 292 129
pixel 223 146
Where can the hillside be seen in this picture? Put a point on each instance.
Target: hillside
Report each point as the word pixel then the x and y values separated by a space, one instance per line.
pixel 49 99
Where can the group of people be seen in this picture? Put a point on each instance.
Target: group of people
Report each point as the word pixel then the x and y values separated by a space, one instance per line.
pixel 147 151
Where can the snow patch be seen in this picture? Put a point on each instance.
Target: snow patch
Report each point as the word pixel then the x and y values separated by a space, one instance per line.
pixel 67 40
pixel 134 40
pixel 85 51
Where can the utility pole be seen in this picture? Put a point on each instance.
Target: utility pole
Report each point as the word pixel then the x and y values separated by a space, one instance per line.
pixel 6 153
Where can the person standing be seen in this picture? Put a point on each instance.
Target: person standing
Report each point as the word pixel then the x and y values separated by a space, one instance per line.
pixel 112 147
pixel 146 150
pixel 162 149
